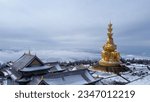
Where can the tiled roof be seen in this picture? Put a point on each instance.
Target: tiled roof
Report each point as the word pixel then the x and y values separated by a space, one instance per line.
pixel 37 68
pixel 56 68
pixel 14 74
pixel 24 61
pixel 77 77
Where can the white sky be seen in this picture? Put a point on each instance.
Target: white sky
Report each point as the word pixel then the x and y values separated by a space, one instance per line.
pixel 73 24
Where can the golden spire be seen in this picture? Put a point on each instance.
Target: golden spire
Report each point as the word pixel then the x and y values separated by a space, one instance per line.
pixel 110 29
pixel 109 46
pixel 110 57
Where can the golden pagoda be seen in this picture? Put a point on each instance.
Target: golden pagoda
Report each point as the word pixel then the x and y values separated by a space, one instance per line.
pixel 110 58
pixel 109 55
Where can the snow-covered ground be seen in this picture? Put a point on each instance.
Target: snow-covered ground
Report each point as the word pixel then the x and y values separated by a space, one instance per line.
pixel 142 81
pixel 140 75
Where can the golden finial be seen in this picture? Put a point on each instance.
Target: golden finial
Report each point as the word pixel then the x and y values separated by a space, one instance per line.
pixel 110 29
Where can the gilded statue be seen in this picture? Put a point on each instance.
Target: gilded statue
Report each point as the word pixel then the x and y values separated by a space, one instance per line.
pixel 109 55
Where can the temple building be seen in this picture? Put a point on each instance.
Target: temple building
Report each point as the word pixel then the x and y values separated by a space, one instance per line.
pixel 76 77
pixel 31 70
pixel 110 58
pixel 25 68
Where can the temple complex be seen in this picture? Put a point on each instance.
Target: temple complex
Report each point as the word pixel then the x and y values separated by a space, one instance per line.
pixel 31 70
pixel 110 58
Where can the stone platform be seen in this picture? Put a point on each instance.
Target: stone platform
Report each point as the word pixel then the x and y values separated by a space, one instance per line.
pixel 113 69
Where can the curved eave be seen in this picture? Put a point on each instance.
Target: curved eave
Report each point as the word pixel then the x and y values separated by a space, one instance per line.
pixel 56 71
pixel 23 80
pixel 92 82
pixel 33 69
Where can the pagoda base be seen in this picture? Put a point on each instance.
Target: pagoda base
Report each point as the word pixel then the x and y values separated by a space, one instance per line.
pixel 109 63
pixel 113 69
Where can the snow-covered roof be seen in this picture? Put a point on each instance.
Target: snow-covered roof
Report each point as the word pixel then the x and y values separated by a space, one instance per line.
pixel 77 77
pixel 24 61
pixel 13 74
pixel 141 81
pixel 56 68
pixel 35 80
pixel 37 68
